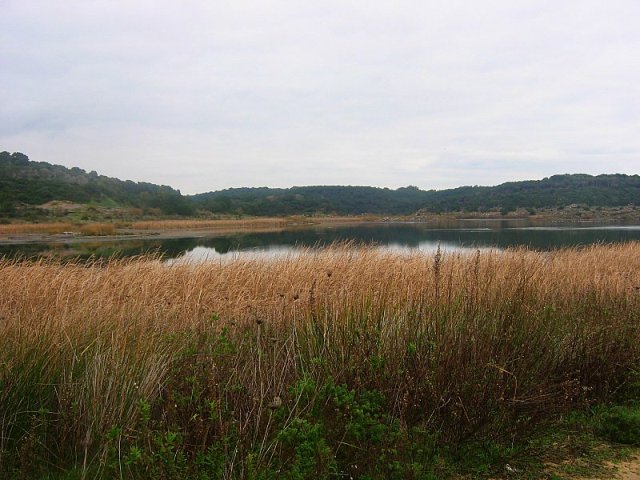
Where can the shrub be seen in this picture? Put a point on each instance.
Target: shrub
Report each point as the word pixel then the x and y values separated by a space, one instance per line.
pixel 621 424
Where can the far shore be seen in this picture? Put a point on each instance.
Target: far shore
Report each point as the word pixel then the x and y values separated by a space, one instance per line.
pixel 67 232
pixel 165 229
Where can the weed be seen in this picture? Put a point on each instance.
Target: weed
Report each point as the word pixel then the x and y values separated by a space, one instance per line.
pixel 620 424
pixel 394 366
pixel 305 453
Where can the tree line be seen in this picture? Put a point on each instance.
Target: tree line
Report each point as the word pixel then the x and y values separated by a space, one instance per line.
pixel 25 182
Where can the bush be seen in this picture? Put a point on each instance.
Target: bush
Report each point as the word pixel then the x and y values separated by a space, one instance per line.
pixel 621 424
pixel 98 229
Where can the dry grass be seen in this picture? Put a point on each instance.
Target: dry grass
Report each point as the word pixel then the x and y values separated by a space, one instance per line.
pixel 245 223
pixel 208 224
pixel 57 228
pixel 457 343
pixel 97 229
pixel 50 228
pixel 110 228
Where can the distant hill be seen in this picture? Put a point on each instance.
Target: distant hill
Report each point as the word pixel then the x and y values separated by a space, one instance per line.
pixel 23 182
pixel 27 183
pixel 341 200
pixel 555 191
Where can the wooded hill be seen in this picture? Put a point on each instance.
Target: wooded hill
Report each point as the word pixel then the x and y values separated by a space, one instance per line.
pixel 23 182
pixel 555 191
pixel 27 183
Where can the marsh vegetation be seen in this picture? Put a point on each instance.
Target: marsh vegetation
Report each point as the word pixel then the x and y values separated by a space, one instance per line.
pixel 338 362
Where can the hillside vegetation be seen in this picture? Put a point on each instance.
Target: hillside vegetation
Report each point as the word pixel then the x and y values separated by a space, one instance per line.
pixel 26 185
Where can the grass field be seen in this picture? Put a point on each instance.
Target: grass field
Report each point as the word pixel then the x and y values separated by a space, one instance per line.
pixel 51 228
pixel 208 224
pixel 59 227
pixel 332 363
pixel 111 228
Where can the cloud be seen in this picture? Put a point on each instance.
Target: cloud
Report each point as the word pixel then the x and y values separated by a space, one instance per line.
pixel 205 95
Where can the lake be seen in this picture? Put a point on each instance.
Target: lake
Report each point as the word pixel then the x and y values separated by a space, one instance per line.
pixel 404 237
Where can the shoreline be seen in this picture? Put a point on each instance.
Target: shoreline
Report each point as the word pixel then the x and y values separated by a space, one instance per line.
pixel 125 234
pixel 216 228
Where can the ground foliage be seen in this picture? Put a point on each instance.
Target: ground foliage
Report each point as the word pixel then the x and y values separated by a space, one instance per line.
pixel 345 362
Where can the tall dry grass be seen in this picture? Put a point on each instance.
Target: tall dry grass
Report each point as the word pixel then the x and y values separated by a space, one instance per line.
pixel 208 224
pixel 50 228
pixel 97 229
pixel 456 343
pixel 245 223
pixel 90 229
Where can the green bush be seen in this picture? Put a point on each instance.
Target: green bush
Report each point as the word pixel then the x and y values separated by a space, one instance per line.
pixel 621 424
pixel 307 453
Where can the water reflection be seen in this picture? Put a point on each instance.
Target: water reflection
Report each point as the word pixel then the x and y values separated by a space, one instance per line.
pixel 396 237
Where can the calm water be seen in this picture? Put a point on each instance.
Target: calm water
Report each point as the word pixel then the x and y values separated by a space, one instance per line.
pixel 398 237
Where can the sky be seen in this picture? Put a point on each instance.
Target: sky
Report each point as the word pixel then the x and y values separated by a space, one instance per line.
pixel 206 95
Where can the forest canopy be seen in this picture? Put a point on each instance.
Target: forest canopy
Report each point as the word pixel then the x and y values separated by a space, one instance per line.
pixel 25 182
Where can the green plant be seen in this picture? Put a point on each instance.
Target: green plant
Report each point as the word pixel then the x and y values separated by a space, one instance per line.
pixel 305 453
pixel 376 368
pixel 620 424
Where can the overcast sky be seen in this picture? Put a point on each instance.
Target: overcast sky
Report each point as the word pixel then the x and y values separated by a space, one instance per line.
pixel 204 95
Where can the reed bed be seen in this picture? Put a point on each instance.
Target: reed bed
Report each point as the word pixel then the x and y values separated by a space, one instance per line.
pixel 90 229
pixel 208 224
pixel 246 223
pixel 97 229
pixel 50 228
pixel 106 360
